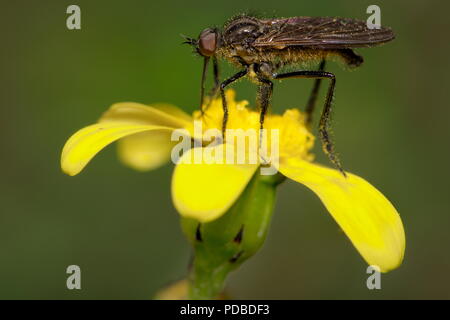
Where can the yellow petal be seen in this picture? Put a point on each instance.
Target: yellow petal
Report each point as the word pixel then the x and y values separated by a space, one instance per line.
pixel 87 142
pixel 206 191
pixel 174 111
pixel 136 113
pixel 147 130
pixel 364 214
pixel 146 150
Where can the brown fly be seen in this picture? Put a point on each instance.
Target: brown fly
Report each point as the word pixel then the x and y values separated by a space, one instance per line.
pixel 261 47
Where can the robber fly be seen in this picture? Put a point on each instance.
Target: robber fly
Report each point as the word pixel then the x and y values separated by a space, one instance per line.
pixel 261 47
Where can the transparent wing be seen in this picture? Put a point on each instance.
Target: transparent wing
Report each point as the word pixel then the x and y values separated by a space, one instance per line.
pixel 322 33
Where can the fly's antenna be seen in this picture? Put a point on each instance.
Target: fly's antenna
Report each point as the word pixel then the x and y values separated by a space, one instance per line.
pixel 190 41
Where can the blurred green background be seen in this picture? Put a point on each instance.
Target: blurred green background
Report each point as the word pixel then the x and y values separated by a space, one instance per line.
pixel 391 125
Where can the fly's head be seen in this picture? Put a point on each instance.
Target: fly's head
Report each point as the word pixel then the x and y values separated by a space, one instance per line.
pixel 207 43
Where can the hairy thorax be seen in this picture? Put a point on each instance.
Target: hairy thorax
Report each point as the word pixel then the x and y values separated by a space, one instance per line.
pixel 241 55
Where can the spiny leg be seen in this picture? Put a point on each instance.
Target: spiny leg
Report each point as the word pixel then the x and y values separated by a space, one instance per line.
pixel 215 89
pixel 324 123
pixel 264 96
pixel 216 74
pixel 202 87
pixel 223 85
pixel 313 97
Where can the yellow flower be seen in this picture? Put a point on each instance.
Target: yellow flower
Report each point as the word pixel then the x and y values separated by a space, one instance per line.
pixel 205 191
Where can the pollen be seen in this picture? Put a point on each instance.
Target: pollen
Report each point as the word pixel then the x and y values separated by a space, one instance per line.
pixel 294 139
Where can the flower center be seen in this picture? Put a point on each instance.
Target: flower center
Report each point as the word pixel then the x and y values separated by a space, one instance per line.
pixel 290 131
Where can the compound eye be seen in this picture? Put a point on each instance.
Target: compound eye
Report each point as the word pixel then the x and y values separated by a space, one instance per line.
pixel 207 42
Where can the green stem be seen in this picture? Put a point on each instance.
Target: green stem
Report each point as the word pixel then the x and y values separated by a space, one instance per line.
pixel 223 245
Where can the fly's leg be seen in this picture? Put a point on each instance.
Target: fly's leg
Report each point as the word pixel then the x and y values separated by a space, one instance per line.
pixel 216 75
pixel 202 87
pixel 223 85
pixel 264 96
pixel 213 93
pixel 324 123
pixel 313 96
